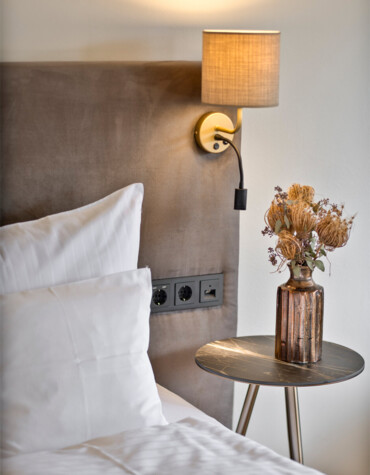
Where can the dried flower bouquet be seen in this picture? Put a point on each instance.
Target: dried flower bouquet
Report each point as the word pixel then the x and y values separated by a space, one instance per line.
pixel 306 229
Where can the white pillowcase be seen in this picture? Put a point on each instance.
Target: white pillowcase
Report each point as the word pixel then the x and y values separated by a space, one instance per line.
pixel 98 239
pixel 75 363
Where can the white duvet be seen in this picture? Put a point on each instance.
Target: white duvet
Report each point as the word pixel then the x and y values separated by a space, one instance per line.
pixel 187 447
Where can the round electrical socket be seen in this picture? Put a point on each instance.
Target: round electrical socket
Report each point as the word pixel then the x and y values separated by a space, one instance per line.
pixel 159 297
pixel 185 293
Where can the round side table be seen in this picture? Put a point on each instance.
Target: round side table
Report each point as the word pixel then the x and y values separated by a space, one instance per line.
pixel 251 359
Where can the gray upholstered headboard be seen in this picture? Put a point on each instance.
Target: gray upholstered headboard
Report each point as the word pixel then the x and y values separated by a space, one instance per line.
pixel 75 132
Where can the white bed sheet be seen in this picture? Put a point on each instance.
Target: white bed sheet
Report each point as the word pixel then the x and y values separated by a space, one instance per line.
pixel 187 447
pixel 195 445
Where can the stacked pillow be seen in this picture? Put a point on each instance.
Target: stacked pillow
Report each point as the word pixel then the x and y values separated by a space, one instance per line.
pixel 98 239
pixel 75 319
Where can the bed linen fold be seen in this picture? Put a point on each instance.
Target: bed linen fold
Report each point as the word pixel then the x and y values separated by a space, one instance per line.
pixel 184 448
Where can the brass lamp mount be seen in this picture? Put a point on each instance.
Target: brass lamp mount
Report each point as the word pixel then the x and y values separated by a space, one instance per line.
pixel 212 123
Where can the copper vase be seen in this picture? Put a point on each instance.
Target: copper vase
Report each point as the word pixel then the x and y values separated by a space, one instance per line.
pixel 299 319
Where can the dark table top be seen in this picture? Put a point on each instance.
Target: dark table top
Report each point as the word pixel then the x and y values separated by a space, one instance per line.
pixel 251 359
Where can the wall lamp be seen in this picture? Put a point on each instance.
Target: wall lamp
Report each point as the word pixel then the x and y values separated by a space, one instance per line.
pixel 239 68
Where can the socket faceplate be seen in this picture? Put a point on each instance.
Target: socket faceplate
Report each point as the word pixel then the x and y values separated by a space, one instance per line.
pixel 183 293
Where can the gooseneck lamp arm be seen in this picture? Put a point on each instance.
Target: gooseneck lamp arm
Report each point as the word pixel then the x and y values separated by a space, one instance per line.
pixel 225 139
pixel 240 199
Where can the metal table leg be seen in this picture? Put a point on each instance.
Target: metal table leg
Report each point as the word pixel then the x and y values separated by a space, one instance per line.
pixel 248 405
pixel 294 424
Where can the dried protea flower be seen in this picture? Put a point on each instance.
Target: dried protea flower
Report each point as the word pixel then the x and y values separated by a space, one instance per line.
pixel 275 213
pixel 306 230
pixel 301 193
pixel 302 218
pixel 333 231
pixel 288 245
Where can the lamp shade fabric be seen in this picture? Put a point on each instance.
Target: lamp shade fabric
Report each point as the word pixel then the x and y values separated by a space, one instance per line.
pixel 241 68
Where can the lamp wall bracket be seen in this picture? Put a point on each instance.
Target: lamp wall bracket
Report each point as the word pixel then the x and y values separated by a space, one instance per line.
pixel 207 127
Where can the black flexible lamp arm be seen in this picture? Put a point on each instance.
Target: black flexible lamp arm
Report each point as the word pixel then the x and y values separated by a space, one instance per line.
pixel 224 139
pixel 240 201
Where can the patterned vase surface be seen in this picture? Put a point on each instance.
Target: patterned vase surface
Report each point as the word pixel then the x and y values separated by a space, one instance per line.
pixel 299 319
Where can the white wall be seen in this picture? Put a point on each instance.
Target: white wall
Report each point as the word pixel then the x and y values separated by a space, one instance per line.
pixel 319 135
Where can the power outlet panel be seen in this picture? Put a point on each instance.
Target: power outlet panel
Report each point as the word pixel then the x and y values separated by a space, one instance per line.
pixel 183 293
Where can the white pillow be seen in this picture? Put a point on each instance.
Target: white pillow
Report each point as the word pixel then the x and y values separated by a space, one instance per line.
pixel 98 239
pixel 75 363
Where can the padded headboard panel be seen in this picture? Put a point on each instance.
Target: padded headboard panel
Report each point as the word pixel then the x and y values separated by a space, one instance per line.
pixel 75 132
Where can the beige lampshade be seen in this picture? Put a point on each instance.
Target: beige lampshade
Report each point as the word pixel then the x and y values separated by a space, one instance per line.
pixel 241 68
